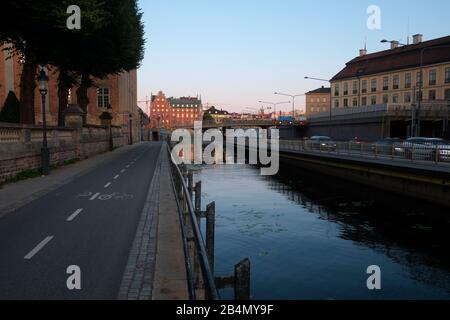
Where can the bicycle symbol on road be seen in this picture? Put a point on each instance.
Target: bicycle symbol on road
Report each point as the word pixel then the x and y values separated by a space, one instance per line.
pixel 106 197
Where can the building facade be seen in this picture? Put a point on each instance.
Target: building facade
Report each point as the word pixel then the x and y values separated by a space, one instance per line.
pixel 318 101
pixel 116 94
pixel 170 113
pixel 395 76
pixel 218 115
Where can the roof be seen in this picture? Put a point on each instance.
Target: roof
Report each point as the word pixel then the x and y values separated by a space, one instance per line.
pixel 397 59
pixel 215 111
pixel 321 90
pixel 185 102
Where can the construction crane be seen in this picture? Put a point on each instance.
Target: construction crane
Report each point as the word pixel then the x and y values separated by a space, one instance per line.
pixel 147 104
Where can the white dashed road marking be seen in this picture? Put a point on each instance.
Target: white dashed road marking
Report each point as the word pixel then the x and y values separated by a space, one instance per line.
pixel 117 177
pixel 107 185
pixel 38 248
pixel 123 171
pixel 74 215
pixel 94 196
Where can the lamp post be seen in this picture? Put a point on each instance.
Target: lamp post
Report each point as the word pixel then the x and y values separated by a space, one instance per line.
pixel 293 96
pixel 329 82
pixel 45 153
pixel 130 116
pixel 274 104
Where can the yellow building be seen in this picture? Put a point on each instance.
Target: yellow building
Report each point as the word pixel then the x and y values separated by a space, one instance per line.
pixel 318 101
pixel 395 76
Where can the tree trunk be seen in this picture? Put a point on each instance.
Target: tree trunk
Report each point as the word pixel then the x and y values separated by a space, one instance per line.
pixel 27 86
pixel 64 85
pixel 82 94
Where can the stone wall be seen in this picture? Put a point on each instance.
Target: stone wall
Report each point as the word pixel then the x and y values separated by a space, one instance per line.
pixel 20 145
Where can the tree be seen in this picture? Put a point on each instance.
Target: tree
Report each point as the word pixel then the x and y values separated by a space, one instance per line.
pixel 207 116
pixel 11 109
pixel 39 35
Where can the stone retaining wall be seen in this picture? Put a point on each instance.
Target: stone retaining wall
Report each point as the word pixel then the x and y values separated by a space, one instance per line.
pixel 20 145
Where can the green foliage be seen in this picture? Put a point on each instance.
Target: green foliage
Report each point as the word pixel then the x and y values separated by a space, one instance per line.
pixel 207 116
pixel 11 109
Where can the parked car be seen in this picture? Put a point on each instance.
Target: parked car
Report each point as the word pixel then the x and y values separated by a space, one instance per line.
pixel 386 146
pixel 423 148
pixel 322 143
pixel 355 144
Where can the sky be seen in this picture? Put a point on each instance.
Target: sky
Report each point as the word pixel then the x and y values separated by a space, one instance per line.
pixel 235 53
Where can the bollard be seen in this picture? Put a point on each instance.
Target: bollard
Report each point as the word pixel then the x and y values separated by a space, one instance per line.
pixel 210 232
pixel 242 280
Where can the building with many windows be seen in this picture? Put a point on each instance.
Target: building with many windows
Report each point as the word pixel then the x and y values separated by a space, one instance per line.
pixel 169 113
pixel 395 76
pixel 318 101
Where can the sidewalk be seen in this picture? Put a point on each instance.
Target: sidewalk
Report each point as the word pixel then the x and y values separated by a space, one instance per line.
pixel 15 195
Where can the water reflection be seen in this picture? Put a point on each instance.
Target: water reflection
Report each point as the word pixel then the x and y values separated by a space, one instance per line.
pixel 312 237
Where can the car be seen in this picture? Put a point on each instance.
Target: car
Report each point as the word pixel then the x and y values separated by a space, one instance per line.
pixel 322 143
pixel 423 148
pixel 386 146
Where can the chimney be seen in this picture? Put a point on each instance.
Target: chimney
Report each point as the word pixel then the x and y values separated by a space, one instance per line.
pixel 417 38
pixel 362 52
pixel 394 44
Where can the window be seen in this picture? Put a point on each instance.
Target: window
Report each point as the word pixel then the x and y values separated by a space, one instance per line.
pixel 432 78
pixel 395 98
pixel 432 95
pixel 336 90
pixel 324 100
pixel 373 100
pixel 385 83
pixel 336 103
pixel 407 97
pixel 345 89
pixel 355 87
pixel 419 78
pixel 385 98
pixel 373 85
pixel 447 94
pixel 355 102
pixel 396 84
pixel 364 101
pixel 103 98
pixel 364 86
pixel 345 103
pixel 408 80
pixel 447 75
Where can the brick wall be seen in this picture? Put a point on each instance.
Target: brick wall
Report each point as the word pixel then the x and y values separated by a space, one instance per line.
pixel 20 146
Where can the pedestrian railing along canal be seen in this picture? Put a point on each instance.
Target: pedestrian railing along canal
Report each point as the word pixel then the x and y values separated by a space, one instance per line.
pixel 432 154
pixel 200 254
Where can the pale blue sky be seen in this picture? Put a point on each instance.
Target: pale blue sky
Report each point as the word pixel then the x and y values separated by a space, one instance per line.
pixel 237 52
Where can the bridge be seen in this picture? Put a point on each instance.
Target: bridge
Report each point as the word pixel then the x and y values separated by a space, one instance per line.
pixel 212 124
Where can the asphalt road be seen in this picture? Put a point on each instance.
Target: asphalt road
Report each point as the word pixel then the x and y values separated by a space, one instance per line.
pixel 90 222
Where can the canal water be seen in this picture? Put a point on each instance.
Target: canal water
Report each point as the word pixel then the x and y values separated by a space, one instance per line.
pixel 310 236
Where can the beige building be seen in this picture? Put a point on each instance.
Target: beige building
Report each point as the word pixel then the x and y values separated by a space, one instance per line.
pixel 395 76
pixel 318 101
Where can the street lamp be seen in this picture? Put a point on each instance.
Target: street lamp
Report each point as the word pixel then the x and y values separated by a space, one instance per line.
pixel 274 104
pixel 293 96
pixel 331 112
pixel 393 41
pixel 45 153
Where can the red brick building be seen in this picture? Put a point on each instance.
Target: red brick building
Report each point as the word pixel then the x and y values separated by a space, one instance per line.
pixel 116 94
pixel 169 113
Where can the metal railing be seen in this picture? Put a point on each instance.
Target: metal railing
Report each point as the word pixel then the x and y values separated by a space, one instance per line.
pixel 201 277
pixel 413 152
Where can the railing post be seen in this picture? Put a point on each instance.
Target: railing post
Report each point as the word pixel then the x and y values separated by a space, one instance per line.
pixel 242 280
pixel 190 183
pixel 210 233
pixel 198 200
